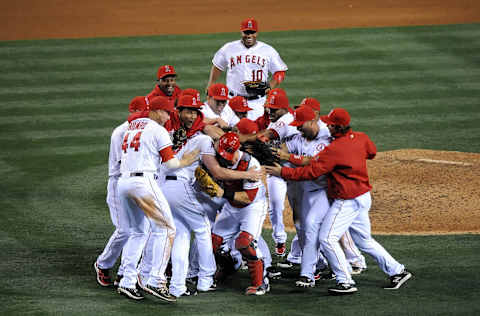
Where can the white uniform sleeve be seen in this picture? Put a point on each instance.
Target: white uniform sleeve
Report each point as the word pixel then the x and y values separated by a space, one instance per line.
pixel 248 185
pixel 293 145
pixel 282 126
pixel 207 147
pixel 220 60
pixel 229 116
pixel 163 138
pixel 276 62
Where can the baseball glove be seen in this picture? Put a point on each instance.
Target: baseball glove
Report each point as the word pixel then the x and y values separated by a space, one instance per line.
pixel 179 138
pixel 256 87
pixel 205 183
pixel 262 151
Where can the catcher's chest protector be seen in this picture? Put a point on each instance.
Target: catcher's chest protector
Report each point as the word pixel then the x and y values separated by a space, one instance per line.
pixel 237 185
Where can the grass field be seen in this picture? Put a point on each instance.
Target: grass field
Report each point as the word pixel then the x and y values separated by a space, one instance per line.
pixel 410 87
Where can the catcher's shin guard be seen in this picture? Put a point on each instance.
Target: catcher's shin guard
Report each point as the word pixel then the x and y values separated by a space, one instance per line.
pixel 216 242
pixel 245 243
pixel 255 269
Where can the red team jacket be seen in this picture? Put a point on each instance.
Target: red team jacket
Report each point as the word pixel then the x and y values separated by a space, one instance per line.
pixel 344 160
pixel 157 92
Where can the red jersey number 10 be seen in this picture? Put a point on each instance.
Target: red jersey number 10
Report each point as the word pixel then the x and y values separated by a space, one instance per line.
pixel 135 143
pixel 257 75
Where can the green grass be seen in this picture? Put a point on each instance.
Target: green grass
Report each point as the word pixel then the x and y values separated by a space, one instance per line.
pixel 409 87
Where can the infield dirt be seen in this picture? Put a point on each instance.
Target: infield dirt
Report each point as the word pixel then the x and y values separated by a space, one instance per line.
pixel 415 191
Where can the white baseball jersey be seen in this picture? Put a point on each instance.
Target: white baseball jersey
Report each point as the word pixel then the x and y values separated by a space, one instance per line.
pixel 283 128
pixel 299 145
pixel 142 142
pixel 247 64
pixel 227 114
pixel 115 154
pixel 197 141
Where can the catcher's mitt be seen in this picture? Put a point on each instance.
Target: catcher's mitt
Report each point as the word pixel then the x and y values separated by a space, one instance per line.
pixel 262 151
pixel 205 183
pixel 256 87
pixel 179 138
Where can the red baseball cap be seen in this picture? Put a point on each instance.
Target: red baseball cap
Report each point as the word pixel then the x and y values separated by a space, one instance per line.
pixel 192 92
pixel 239 104
pixel 277 91
pixel 218 91
pixel 161 103
pixel 247 126
pixel 249 24
pixel 228 145
pixel 166 70
pixel 188 101
pixel 278 102
pixel 337 116
pixel 302 114
pixel 311 102
pixel 137 104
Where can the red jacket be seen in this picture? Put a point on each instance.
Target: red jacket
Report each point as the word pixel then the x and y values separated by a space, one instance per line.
pixel 157 92
pixel 344 160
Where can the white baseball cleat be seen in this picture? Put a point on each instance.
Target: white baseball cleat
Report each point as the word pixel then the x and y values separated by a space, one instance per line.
pixel 397 280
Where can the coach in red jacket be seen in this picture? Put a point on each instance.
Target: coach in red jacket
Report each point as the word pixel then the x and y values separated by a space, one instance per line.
pixel 344 162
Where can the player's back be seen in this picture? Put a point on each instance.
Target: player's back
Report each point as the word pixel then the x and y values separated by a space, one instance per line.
pixel 142 142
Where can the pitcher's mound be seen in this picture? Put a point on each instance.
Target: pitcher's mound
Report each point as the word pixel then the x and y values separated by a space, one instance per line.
pixel 423 191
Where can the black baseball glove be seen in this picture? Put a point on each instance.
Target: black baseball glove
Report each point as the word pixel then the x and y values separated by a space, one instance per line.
pixel 262 151
pixel 257 87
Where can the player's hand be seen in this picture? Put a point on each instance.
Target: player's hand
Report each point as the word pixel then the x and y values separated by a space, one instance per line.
pixel 189 158
pixel 274 170
pixel 281 153
pixel 255 175
pixel 221 123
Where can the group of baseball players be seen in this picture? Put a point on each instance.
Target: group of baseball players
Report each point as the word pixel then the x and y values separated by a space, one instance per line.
pixel 175 238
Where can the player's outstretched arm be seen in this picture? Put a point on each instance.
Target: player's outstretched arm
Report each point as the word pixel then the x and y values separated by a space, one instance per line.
pixel 187 159
pixel 221 173
pixel 214 75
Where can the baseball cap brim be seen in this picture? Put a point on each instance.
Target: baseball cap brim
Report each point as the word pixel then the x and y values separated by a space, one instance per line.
pixel 226 155
pixel 297 123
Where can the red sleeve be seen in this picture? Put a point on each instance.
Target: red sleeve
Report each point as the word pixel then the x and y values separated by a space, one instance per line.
pixel 324 163
pixel 252 193
pixel 279 76
pixel 166 154
pixel 371 149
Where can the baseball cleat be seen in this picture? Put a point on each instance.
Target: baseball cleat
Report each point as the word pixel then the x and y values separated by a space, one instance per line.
pixel 133 294
pixel 285 264
pixel 327 275
pixel 358 270
pixel 192 292
pixel 342 289
pixel 140 282
pixel 280 250
pixel 273 273
pixel 116 283
pixel 160 292
pixel 397 280
pixel 212 288
pixel 305 282
pixel 103 276
pixel 260 290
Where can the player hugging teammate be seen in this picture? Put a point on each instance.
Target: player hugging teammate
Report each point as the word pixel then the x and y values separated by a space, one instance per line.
pixel 182 168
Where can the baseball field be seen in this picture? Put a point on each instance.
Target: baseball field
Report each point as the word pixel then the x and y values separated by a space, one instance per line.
pixel 408 73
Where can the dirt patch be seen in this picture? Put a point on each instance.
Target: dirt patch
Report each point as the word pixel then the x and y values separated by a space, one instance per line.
pixel 423 191
pixel 40 19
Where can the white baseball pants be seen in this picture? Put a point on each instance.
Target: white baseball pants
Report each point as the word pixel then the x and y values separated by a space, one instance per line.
pixel 277 190
pixel 257 108
pixel 352 214
pixel 162 234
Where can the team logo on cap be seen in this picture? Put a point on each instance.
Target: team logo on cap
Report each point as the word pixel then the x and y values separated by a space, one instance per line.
pixel 272 99
pixel 250 24
pixel 223 93
pixel 194 100
pixel 167 69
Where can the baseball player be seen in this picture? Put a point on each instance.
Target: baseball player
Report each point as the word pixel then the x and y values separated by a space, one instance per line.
pixel 239 105
pixel 216 110
pixel 248 60
pixel 145 145
pixel 115 244
pixel 344 163
pixel 166 84
pixel 242 217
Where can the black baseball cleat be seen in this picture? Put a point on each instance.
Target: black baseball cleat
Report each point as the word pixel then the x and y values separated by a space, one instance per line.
pixel 305 282
pixel 103 276
pixel 325 275
pixel 160 292
pixel 358 270
pixel 273 273
pixel 342 289
pixel 397 280
pixel 133 294
pixel 285 264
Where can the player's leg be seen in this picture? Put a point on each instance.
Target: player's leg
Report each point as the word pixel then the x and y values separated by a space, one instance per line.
pixel 353 254
pixel 106 260
pixel 179 257
pixel 251 221
pixel 277 189
pixel 361 234
pixel 338 219
pixel 206 259
pixel 315 206
pixel 295 197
